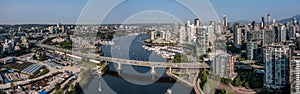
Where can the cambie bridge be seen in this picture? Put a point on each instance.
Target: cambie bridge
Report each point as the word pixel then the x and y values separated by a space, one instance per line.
pixel 90 56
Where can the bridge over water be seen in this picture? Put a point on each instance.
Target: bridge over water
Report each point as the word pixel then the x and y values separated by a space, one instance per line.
pixel 126 61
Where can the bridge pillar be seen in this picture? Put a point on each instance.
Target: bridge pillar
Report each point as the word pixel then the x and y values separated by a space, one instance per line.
pixel 153 70
pixel 119 67
pixel 170 70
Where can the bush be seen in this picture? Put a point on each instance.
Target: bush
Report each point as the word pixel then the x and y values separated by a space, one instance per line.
pixel 237 81
pixel 225 80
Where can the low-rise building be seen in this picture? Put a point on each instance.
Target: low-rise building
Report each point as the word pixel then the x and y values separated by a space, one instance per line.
pixel 7 60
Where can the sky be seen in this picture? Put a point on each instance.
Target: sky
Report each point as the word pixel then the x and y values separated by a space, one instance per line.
pixel 137 11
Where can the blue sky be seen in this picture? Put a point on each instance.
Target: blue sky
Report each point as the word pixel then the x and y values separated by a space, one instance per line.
pixel 68 11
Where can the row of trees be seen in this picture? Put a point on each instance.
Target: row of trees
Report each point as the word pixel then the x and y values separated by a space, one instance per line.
pixel 203 78
pixel 226 80
pixel 237 82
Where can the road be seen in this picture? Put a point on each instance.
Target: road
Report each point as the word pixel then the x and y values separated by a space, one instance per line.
pixel 126 61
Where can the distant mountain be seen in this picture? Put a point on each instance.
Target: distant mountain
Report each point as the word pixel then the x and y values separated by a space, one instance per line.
pixel 290 19
pixel 281 21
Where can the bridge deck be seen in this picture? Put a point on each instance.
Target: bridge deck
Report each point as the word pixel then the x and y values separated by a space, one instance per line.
pixel 129 62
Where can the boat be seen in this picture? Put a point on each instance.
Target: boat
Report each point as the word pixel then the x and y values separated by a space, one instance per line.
pixel 99 89
pixel 169 91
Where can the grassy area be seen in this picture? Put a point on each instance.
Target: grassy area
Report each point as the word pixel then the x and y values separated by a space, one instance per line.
pixel 85 76
pixel 66 45
pixel 88 64
pixel 183 76
pixel 16 66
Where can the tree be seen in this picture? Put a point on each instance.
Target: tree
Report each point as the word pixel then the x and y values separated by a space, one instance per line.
pixel 240 58
pixel 34 57
pixel 57 86
pixel 264 90
pixel 223 91
pixel 78 89
pixel 209 50
pixel 42 57
pixel 246 85
pixel 2 92
pixel 203 78
pixel 225 80
pixel 237 81
pixel 177 58
pixel 38 49
pixel 201 57
pixel 72 87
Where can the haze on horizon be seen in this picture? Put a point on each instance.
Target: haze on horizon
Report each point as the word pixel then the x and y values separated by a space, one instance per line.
pixel 64 11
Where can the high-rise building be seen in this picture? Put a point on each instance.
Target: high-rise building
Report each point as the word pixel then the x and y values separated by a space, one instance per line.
pixel 237 36
pixel 224 22
pixel 297 29
pixel 153 35
pixel 269 19
pixel 294 20
pixel 295 75
pixel 252 50
pixel 182 35
pixel 262 24
pixel 197 22
pixel 201 40
pixel 58 25
pixel 211 36
pixel 268 36
pixel 19 29
pixel 163 34
pixel 188 29
pixel 190 32
pixel 253 25
pixel 51 29
pixel 276 59
pixel 283 33
pixel 63 29
pixel 291 32
pixel 223 64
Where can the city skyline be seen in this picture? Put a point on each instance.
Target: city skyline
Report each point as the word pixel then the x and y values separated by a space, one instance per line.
pixel 39 12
